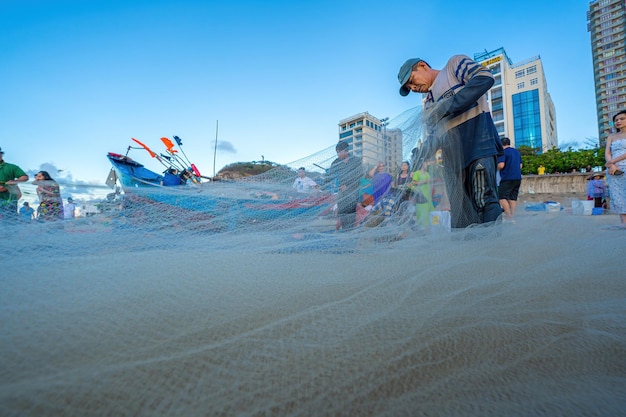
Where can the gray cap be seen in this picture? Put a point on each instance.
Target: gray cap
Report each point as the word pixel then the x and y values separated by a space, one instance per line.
pixel 405 73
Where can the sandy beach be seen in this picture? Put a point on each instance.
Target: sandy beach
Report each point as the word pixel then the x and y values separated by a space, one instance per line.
pixel 525 319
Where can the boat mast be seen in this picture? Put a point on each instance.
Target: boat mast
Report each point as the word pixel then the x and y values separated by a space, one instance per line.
pixel 215 151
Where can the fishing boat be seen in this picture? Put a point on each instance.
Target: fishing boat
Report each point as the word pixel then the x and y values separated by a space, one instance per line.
pixel 230 204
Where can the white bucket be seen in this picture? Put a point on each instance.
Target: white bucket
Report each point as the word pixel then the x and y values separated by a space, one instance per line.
pixel 582 207
pixel 439 221
pixel 553 207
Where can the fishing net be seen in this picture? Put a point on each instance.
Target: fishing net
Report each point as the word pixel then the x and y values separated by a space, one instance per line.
pixel 242 298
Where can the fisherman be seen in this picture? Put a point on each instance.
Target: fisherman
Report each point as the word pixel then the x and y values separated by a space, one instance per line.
pixel 10 175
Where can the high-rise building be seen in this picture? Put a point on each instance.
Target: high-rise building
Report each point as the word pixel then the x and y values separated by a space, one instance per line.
pixel 371 140
pixel 606 22
pixel 521 106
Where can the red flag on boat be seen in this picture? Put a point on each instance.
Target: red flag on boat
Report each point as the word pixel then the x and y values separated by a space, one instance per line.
pixel 152 154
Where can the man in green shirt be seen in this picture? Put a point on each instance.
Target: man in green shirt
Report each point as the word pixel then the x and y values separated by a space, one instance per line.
pixel 10 176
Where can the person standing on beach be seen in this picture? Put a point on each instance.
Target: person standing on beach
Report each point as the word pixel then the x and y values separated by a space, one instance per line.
pixel 69 209
pixel 10 176
pixel 26 212
pixel 510 168
pixel 304 184
pixel 381 181
pixel 615 155
pixel 541 170
pixel 347 170
pixel 50 202
pixel 456 118
pixel 596 189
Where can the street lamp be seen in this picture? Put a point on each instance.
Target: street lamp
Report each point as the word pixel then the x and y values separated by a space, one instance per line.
pixel 384 122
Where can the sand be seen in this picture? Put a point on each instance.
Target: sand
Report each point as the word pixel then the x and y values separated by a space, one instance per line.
pixel 525 319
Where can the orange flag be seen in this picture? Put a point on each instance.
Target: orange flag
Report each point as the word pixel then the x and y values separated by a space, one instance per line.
pixel 152 154
pixel 169 145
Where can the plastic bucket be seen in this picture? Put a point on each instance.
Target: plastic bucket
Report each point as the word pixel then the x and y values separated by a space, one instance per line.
pixel 439 222
pixel 553 207
pixel 582 207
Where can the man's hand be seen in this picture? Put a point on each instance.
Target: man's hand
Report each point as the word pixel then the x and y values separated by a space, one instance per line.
pixel 435 113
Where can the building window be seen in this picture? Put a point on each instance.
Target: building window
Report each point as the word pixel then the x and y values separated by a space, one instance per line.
pixel 527 119
pixel 520 85
pixel 345 134
pixel 531 70
pixel 533 81
pixel 519 74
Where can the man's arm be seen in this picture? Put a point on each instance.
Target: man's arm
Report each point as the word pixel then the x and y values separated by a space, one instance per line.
pixel 21 178
pixel 469 95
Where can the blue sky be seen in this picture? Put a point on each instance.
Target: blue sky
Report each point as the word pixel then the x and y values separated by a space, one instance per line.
pixel 80 78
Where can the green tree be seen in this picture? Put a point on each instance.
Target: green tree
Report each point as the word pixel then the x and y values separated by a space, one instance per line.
pixel 555 160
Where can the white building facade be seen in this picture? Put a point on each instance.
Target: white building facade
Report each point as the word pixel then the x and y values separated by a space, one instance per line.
pixel 521 106
pixel 369 139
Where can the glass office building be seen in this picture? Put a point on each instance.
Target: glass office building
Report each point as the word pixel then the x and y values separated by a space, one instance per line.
pixel 606 23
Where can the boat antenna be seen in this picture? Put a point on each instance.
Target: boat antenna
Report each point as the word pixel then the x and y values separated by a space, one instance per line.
pixel 179 141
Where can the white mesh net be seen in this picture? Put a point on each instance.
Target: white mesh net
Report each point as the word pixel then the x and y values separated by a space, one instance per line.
pixel 256 310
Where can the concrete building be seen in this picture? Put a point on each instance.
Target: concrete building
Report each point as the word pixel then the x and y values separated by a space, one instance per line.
pixel 370 140
pixel 521 106
pixel 606 23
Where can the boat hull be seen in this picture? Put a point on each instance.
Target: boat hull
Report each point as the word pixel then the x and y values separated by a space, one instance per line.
pixel 228 203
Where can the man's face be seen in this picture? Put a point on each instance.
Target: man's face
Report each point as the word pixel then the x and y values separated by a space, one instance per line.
pixel 343 154
pixel 420 79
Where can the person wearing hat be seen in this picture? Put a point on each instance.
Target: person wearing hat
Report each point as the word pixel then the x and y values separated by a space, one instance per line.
pixel 10 176
pixel 596 189
pixel 347 171
pixel 456 119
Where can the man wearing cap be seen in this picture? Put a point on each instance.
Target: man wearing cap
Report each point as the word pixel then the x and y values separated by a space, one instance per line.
pixel 457 120
pixel 347 170
pixel 10 175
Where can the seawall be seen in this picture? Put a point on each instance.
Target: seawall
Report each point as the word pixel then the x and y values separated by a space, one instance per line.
pixel 575 184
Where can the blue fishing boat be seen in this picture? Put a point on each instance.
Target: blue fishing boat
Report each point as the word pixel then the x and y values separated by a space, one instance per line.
pixel 228 204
